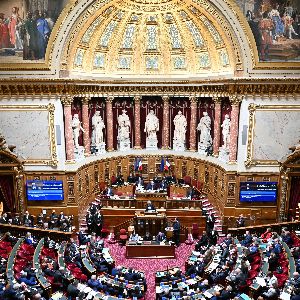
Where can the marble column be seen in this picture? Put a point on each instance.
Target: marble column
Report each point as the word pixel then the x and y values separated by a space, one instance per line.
pixel 234 127
pixel 110 124
pixel 137 122
pixel 217 125
pixel 166 125
pixel 193 124
pixel 86 126
pixel 67 101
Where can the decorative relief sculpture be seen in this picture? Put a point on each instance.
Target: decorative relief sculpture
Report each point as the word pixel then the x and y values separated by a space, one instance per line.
pixel 76 127
pixel 224 150
pixel 98 144
pixel 179 132
pixel 205 140
pixel 123 131
pixel 151 127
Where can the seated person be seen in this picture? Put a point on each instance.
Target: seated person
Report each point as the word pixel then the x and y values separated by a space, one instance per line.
pixel 148 236
pixel 29 239
pixel 109 191
pixel 266 235
pixel 139 182
pixel 192 193
pixel 134 237
pixel 151 186
pixel 240 222
pixel 131 178
pixel 150 206
pixel 120 180
pixel 160 237
pixel 171 179
pixel 163 185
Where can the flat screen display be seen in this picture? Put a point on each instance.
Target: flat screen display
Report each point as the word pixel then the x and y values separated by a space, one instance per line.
pixel 40 190
pixel 258 191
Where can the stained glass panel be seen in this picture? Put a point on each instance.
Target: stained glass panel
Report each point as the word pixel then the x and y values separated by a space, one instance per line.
pixel 175 37
pixel 197 37
pixel 88 34
pixel 124 62
pixel 224 59
pixel 128 37
pixel 211 28
pixel 151 62
pixel 79 58
pixel 204 60
pixel 99 60
pixel 151 37
pixel 104 40
pixel 179 62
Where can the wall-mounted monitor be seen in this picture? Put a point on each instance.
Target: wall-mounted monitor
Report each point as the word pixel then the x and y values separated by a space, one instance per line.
pixel 258 191
pixel 43 190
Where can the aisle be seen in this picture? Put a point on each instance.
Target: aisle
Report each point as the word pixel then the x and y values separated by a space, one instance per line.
pixel 150 266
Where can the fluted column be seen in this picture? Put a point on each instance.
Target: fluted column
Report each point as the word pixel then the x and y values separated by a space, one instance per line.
pixel 193 124
pixel 217 125
pixel 137 122
pixel 166 125
pixel 234 127
pixel 109 125
pixel 86 125
pixel 67 101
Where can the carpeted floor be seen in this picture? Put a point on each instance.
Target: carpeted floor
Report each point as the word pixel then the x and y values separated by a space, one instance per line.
pixel 150 266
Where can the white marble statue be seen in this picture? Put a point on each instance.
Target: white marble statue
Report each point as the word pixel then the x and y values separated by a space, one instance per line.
pixel 123 126
pixel 204 127
pixel 151 125
pixel 76 127
pixel 226 131
pixel 97 129
pixel 180 124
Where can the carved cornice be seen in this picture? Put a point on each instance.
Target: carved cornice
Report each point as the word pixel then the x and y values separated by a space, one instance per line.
pixel 235 99
pixel 217 100
pixel 213 88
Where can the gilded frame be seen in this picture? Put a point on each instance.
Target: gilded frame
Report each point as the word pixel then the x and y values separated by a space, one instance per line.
pixel 50 108
pixel 250 161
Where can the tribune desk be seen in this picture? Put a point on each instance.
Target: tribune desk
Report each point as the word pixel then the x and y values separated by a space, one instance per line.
pixel 149 250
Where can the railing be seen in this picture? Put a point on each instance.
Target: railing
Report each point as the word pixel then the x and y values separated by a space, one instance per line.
pixel 259 229
pixel 37 233
pixel 122 225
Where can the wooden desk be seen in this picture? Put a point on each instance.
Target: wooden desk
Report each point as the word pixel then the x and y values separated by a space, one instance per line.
pixel 153 223
pixel 150 251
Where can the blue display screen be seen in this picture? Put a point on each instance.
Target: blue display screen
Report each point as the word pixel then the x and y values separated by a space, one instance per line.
pixel 39 190
pixel 258 191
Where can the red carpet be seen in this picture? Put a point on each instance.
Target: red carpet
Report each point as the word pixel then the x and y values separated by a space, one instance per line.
pixel 150 266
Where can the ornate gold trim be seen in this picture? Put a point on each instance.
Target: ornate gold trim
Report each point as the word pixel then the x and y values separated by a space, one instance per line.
pixel 252 110
pixel 50 108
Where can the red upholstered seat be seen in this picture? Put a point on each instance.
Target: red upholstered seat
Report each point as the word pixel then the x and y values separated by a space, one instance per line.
pixel 195 231
pixel 119 193
pixel 187 180
pixel 252 274
pixel 123 235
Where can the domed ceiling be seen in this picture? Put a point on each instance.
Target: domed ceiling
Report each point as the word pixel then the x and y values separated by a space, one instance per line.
pixel 150 37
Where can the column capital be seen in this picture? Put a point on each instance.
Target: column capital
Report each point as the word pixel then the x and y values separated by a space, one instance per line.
pixel 66 100
pixel 165 98
pixel 235 99
pixel 137 98
pixel 217 100
pixel 85 100
pixel 109 99
pixel 193 99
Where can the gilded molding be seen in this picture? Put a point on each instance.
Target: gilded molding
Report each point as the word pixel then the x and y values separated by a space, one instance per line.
pixel 66 100
pixel 51 109
pixel 252 108
pixel 86 100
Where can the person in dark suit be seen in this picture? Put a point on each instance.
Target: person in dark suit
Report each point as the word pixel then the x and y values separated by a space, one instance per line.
pixel 28 219
pixel 149 206
pixel 176 232
pixel 240 222
pixel 53 220
pixel 151 186
pixel 73 290
pixel 131 178
pixel 160 237
pixel 148 236
pixel 247 239
pixel 139 181
pixel 120 180
pixel 203 242
pixel 213 237
pixel 210 221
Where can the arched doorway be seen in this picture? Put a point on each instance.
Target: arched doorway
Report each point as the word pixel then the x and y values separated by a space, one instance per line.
pixel 11 182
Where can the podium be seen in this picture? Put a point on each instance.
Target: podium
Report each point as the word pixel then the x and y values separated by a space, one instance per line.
pixel 150 221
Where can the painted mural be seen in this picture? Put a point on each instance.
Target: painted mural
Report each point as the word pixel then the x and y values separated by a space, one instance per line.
pixel 275 25
pixel 25 28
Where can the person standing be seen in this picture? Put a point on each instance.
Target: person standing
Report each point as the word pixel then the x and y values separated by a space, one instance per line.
pixel 210 222
pixel 176 232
